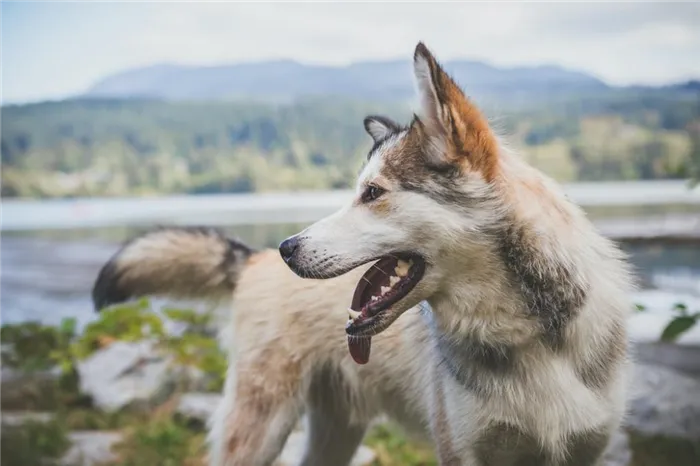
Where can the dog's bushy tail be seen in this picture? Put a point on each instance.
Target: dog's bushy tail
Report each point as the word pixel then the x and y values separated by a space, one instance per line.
pixel 181 263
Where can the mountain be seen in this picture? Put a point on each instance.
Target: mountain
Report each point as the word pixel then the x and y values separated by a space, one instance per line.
pixel 285 80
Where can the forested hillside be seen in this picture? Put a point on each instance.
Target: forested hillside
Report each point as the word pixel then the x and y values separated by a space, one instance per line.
pixel 128 147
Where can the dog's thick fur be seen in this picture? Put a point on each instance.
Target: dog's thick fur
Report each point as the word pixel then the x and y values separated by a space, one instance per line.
pixel 518 358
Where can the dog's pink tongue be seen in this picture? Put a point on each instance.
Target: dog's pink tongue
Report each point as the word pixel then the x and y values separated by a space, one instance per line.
pixel 359 348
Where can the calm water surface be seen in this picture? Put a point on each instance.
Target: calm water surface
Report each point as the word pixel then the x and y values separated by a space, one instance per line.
pixel 47 274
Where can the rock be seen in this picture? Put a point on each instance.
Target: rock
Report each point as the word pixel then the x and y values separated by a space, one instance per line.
pixel 296 445
pixel 618 452
pixel 124 374
pixel 91 448
pixel 198 406
pixel 684 358
pixel 664 402
pixel 10 375
pixel 17 418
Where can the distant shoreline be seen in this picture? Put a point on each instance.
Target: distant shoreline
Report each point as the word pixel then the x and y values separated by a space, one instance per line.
pixel 308 206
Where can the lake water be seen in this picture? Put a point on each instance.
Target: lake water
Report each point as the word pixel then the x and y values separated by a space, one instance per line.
pixel 49 262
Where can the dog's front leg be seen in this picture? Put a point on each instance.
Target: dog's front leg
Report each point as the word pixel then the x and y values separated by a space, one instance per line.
pixel 440 427
pixel 335 428
pixel 255 418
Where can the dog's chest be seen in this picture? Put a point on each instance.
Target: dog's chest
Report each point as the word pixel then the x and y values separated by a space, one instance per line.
pixel 490 404
pixel 493 432
pixel 512 420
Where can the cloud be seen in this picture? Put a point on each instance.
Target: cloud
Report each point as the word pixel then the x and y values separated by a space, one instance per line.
pixel 56 49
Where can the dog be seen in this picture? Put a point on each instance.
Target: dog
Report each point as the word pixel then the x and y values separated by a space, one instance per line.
pixel 481 308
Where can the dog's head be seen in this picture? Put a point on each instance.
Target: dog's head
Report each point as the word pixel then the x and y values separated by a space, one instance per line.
pixel 425 190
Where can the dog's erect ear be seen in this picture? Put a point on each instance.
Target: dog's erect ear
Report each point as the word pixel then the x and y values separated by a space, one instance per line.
pixel 380 127
pixel 455 128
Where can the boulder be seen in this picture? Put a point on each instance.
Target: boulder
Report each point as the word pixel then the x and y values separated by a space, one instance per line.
pixel 664 402
pixel 684 358
pixel 17 418
pixel 124 374
pixel 91 448
pixel 198 406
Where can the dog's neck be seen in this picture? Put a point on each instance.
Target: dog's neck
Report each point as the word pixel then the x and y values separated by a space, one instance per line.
pixel 511 290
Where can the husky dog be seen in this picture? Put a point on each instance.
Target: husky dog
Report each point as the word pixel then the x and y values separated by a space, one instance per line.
pixel 486 312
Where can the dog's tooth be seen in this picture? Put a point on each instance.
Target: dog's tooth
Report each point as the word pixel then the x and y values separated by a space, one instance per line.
pixel 375 298
pixel 401 268
pixel 385 289
pixel 393 280
pixel 353 314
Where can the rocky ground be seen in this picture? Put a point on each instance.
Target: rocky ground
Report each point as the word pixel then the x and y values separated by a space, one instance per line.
pixel 664 410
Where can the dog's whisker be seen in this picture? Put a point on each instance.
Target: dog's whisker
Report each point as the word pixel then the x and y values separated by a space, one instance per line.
pixel 379 268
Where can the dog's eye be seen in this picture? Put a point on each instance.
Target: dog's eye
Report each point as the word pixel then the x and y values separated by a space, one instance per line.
pixel 371 193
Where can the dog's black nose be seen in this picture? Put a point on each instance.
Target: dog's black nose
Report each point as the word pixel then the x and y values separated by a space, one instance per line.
pixel 288 247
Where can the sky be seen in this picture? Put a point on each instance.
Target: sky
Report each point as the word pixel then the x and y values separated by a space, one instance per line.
pixel 52 50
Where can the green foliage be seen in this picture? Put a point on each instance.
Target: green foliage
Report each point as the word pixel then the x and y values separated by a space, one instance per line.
pixel 113 147
pixel 35 347
pixel 164 442
pixel 33 443
pixel 86 418
pixel 130 322
pixel 160 437
pixel 694 162
pixel 31 346
pixel 394 449
pixel 680 324
pixel 193 347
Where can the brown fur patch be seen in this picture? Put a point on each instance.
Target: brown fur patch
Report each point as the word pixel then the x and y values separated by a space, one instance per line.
pixel 471 143
pixel 467 142
pixel 406 160
pixel 381 206
pixel 260 256
pixel 526 190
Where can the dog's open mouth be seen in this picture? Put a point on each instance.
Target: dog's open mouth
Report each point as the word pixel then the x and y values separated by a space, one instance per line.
pixel 388 281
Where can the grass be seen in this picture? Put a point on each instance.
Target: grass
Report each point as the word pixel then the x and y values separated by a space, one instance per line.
pixel 162 441
pixel 34 443
pixel 394 449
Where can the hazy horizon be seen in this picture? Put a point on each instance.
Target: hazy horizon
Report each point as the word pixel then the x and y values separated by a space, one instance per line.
pixel 57 50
